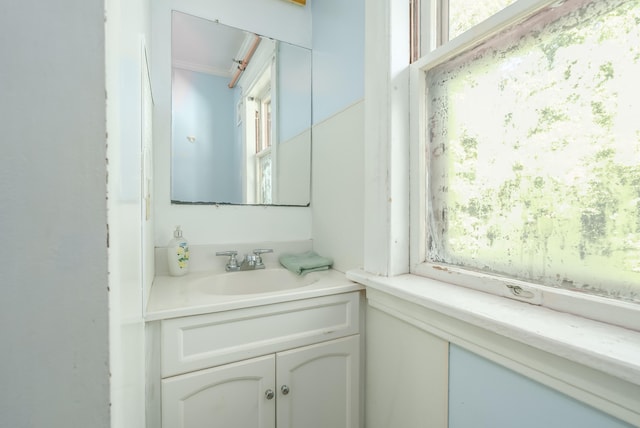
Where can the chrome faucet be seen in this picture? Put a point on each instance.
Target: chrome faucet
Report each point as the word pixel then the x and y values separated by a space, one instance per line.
pixel 250 261
pixel 232 264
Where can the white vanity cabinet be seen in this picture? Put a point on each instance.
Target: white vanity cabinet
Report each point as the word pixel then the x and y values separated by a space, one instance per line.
pixel 286 365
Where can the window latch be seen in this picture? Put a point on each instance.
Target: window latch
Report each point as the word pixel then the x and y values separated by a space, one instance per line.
pixel 518 291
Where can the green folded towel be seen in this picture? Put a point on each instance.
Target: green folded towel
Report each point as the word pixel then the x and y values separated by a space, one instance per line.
pixel 304 263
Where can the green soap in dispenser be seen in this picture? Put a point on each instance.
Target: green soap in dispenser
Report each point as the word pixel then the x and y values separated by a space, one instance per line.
pixel 178 254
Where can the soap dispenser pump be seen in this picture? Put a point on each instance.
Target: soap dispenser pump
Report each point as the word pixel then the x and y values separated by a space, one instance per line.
pixel 178 254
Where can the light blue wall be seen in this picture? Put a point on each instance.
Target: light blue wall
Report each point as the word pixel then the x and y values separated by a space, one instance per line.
pixel 204 107
pixel 294 90
pixel 484 394
pixel 338 56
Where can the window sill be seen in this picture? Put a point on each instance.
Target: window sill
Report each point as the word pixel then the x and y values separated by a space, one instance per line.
pixel 536 341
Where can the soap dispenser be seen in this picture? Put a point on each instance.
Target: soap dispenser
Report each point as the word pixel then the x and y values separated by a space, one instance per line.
pixel 178 254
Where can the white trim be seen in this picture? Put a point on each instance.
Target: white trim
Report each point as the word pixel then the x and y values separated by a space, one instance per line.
pixel 398 138
pixel 376 167
pixel 418 168
pixel 593 362
pixel 597 308
pixel 386 219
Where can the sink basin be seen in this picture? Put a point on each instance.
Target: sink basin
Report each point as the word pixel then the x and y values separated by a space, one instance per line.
pixel 255 281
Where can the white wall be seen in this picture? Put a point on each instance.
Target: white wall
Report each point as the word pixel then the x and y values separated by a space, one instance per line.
pixel 293 173
pixel 337 183
pixel 337 188
pixel 220 224
pixel 127 127
pixel 406 376
pixel 54 363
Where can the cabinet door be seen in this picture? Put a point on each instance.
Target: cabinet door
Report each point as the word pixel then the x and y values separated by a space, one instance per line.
pixel 318 385
pixel 233 395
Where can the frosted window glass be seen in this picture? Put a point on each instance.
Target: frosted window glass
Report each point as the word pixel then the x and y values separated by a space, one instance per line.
pixel 534 152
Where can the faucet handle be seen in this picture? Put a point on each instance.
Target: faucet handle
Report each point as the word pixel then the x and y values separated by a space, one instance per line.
pixel 262 251
pixel 258 253
pixel 232 264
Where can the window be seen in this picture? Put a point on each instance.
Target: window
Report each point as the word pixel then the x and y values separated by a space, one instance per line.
pixel 533 145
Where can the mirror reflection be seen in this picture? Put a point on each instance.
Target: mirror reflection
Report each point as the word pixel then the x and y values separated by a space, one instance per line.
pixel 241 116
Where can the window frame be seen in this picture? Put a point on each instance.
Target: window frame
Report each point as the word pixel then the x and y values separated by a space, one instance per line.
pixel 607 310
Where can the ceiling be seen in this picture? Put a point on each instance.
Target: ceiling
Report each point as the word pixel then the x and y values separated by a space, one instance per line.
pixel 206 46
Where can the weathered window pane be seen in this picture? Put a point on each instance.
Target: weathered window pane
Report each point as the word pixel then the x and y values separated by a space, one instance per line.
pixel 534 156
pixel 464 14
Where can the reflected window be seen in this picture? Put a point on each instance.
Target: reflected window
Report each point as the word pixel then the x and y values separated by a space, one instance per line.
pixel 263 130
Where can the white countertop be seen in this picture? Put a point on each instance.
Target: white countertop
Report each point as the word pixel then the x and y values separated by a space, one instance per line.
pixel 173 297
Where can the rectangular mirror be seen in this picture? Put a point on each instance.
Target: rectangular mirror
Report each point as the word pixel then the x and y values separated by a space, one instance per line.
pixel 241 116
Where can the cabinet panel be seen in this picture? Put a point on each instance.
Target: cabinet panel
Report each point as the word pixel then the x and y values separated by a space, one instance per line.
pixel 228 396
pixel 323 385
pixel 196 342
